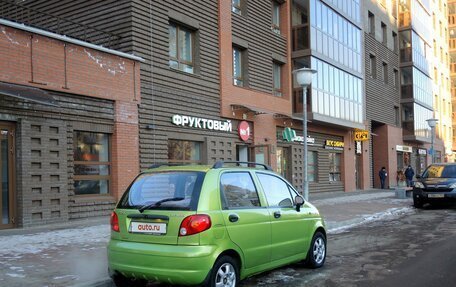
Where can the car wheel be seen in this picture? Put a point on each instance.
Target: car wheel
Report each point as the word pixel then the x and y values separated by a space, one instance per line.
pixel 417 203
pixel 224 273
pixel 316 255
pixel 122 281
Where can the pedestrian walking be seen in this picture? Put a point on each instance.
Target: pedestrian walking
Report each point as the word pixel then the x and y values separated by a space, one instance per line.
pixel 382 174
pixel 409 173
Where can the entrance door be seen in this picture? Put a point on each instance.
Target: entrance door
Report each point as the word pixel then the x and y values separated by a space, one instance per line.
pixel 283 163
pixel 358 171
pixel 7 202
pixel 259 154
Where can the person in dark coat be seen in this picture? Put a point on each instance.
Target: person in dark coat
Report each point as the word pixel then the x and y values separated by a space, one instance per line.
pixel 409 173
pixel 382 174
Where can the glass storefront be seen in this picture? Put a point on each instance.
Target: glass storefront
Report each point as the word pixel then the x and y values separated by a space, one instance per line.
pixel 91 163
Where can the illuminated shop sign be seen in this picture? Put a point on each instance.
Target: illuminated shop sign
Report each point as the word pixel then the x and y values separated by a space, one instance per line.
pixel 334 145
pixel 361 135
pixel 289 135
pixel 244 130
pixel 201 123
pixel 404 148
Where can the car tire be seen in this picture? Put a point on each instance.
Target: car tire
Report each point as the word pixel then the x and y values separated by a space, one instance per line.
pixel 316 255
pixel 122 281
pixel 225 271
pixel 417 203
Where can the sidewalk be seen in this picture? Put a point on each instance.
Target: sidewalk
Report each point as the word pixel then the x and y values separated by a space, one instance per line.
pixel 74 254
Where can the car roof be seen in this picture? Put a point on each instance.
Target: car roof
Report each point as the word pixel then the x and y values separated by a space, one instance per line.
pixel 231 165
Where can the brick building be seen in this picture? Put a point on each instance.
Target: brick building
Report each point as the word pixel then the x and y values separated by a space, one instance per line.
pixel 68 113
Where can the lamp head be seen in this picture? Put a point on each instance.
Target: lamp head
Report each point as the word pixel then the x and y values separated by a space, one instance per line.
pixel 432 122
pixel 304 76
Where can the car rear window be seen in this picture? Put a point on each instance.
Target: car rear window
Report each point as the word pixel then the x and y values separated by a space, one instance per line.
pixel 174 190
pixel 440 171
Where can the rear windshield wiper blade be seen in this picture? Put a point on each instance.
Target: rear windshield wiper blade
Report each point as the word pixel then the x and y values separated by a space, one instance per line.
pixel 158 203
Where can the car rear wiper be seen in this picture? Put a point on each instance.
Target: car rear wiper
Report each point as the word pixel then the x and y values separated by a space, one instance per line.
pixel 158 203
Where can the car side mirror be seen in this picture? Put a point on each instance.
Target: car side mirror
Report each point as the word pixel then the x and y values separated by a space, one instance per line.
pixel 299 201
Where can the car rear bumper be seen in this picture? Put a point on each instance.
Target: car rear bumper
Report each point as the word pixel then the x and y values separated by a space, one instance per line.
pixel 185 265
pixel 434 196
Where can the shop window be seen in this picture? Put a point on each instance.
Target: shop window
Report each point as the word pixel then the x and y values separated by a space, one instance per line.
pixel 312 166
pixel 184 152
pixel 275 17
pixel 277 79
pixel 181 41
pixel 92 164
pixel 334 166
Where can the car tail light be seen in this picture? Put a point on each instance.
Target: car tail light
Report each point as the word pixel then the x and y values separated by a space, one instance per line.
pixel 114 222
pixel 194 224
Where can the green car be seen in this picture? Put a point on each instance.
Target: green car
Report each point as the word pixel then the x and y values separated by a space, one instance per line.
pixel 211 226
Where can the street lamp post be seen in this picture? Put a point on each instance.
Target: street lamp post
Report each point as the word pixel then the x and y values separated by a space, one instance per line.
pixel 432 123
pixel 304 79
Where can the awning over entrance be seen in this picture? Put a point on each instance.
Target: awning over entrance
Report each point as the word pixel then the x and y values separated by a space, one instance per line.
pixel 28 93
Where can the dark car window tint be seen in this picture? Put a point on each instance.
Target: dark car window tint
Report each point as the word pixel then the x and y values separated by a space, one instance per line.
pixel 238 190
pixel 153 187
pixel 276 190
pixel 440 171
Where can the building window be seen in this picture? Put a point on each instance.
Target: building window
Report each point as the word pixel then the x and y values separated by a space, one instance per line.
pixel 236 6
pixel 396 116
pixel 395 78
pixel 373 66
pixel 334 166
pixel 384 34
pixel 276 17
pixel 180 151
pixel 91 154
pixel 238 67
pixel 312 166
pixel 181 48
pixel 385 72
pixel 277 79
pixel 394 41
pixel 371 23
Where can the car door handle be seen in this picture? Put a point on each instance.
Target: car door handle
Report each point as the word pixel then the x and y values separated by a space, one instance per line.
pixel 233 218
pixel 277 214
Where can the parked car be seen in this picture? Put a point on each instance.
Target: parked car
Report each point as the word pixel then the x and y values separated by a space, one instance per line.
pixel 437 184
pixel 211 225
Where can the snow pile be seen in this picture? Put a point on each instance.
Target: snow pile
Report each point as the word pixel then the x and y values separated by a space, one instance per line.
pixel 388 214
pixel 36 243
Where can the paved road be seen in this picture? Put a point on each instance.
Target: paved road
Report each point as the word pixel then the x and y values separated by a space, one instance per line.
pixel 417 250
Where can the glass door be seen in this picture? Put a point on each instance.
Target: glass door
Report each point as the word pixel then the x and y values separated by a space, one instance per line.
pixel 7 205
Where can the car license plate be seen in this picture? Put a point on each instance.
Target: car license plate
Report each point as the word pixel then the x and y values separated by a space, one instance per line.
pixel 147 227
pixel 436 195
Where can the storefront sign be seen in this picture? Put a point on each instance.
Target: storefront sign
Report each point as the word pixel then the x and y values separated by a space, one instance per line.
pixel 200 123
pixel 422 151
pixel 361 135
pixel 334 145
pixel 358 147
pixel 244 130
pixel 404 148
pixel 289 135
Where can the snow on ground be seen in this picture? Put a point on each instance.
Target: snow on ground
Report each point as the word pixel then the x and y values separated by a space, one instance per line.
pixel 352 198
pixel 379 216
pixel 36 243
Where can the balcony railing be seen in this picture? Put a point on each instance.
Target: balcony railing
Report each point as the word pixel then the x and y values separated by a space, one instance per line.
pixel 19 13
pixel 300 37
